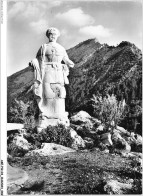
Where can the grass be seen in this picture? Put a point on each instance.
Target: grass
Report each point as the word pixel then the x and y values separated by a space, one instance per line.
pixel 82 172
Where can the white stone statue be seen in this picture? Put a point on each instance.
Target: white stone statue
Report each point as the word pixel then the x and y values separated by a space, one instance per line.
pixel 50 75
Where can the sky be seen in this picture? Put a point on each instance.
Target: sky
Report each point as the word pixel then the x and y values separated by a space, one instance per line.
pixel 108 21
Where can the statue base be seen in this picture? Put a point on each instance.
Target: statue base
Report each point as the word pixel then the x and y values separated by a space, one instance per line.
pixel 43 122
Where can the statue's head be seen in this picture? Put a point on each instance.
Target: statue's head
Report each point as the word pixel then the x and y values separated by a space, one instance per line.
pixel 52 34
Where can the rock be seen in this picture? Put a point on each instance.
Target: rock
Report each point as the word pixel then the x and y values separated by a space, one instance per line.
pixel 85 131
pixel 21 142
pixel 85 125
pixel 102 146
pixel 136 141
pixel 15 175
pixel 89 143
pixel 106 151
pixel 127 147
pixel 78 142
pixel 9 156
pixel 115 187
pixel 106 139
pixel 83 117
pixel 31 183
pixel 13 189
pixel 137 154
pixel 120 143
pixel 50 149
pixel 138 138
pixel 122 130
pixel 100 128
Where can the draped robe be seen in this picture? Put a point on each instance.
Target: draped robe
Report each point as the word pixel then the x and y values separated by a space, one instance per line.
pixel 50 75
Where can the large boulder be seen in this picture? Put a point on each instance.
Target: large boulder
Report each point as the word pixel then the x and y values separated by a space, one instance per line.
pixel 89 143
pixel 21 142
pixel 18 145
pixel 16 177
pixel 138 138
pixel 84 124
pixel 106 139
pixel 117 188
pixel 122 131
pixel 50 149
pixel 135 141
pixel 136 156
pixel 120 143
pixel 83 117
pixel 78 142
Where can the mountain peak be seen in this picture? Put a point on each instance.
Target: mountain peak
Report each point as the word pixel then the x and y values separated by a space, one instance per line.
pixel 84 49
pixel 125 43
pixel 96 40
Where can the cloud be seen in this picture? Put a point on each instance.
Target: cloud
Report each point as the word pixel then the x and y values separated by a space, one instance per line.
pixel 96 31
pixel 22 10
pixel 16 9
pixel 75 17
pixel 55 3
pixel 64 32
pixel 39 26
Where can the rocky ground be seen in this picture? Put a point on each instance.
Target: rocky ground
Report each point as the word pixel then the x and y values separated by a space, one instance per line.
pixel 83 172
pixel 86 160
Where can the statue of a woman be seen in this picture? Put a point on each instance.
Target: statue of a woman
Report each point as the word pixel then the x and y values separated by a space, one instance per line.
pixel 50 76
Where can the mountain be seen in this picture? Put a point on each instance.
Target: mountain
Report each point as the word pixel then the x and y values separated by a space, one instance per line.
pixel 99 69
pixel 105 69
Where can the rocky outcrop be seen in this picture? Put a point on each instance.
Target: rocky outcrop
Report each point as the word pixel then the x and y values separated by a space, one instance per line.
pixel 21 142
pixel 106 139
pixel 136 141
pixel 120 143
pixel 84 124
pixel 16 177
pixel 17 145
pixel 94 134
pixel 48 149
pixel 89 143
pixel 85 132
pixel 117 188
pixel 83 117
pixel 78 142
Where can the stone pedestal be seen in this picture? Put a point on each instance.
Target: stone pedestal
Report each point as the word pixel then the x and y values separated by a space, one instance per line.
pixel 44 121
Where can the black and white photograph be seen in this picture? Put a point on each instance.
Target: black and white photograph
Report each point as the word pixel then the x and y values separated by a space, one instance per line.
pixel 72 92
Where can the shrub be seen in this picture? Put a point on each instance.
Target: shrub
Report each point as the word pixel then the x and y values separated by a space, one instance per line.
pixel 15 150
pixel 52 134
pixel 21 112
pixel 109 110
